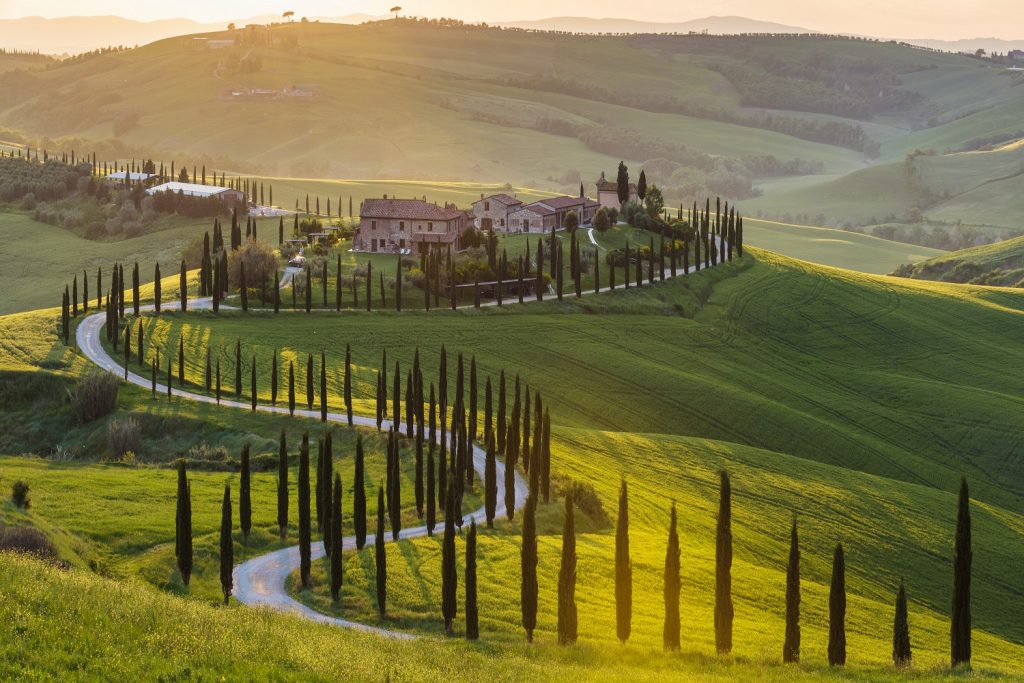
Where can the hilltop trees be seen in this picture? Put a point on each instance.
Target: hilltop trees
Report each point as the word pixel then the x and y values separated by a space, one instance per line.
pixel 837 610
pixel 791 646
pixel 960 624
pixel 723 568
pixel 623 569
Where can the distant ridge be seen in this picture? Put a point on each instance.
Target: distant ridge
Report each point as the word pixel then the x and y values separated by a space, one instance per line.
pixel 729 24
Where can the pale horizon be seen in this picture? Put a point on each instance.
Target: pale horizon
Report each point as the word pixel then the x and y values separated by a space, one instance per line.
pixel 942 20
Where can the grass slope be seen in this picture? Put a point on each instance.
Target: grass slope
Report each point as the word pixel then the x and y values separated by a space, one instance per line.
pixel 1001 263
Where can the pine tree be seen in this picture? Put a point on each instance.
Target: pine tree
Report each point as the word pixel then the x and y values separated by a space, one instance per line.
pixel 567 617
pixel 449 576
pixel 359 496
pixel 380 556
pixel 791 646
pixel 837 610
pixel 227 546
pixel 528 569
pixel 723 568
pixel 901 655
pixel 623 569
pixel 336 540
pixel 244 500
pixel 960 624
pixel 472 615
pixel 304 512
pixel 183 525
pixel 490 483
pixel 282 487
pixel 670 632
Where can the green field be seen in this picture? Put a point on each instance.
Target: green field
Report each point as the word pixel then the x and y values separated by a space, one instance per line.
pixel 999 264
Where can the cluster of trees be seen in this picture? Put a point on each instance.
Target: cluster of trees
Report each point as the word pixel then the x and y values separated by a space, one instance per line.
pixel 41 180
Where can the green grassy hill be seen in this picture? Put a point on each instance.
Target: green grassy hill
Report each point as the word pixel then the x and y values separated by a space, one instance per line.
pixel 999 264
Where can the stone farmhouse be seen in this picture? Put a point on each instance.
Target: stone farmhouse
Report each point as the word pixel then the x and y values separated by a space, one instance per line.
pixel 502 213
pixel 491 213
pixel 409 226
pixel 608 193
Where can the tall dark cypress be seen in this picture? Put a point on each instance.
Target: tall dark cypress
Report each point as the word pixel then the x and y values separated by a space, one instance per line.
pixel 791 646
pixel 359 496
pixel 183 526
pixel 183 287
pixel 135 288
pixel 510 484
pixel 472 613
pixel 960 624
pixel 901 655
pixel 336 540
pixel 305 533
pixel 567 617
pixel 670 631
pixel 348 383
pixel 837 610
pixel 528 569
pixel 273 379
pixel 623 569
pixel 309 382
pixel 323 387
pixel 490 483
pixel 291 387
pixel 449 576
pixel 471 426
pixel 431 488
pixel 227 546
pixel 723 568
pixel 282 486
pixel 244 499
pixel 380 556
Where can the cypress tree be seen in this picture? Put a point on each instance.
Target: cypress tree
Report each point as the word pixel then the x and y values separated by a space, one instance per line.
pixel 670 632
pixel 837 610
pixel 418 479
pixel 528 569
pixel 321 515
pixel 291 387
pixel 449 576
pixel 359 496
pixel 396 399
pixel 510 484
pixel 85 292
pixel 304 520
pixel 960 624
pixel 901 655
pixel 309 382
pixel 273 379
pixel 380 556
pixel 348 383
pixel 472 399
pixel 395 494
pixel 183 526
pixel 490 483
pixel 431 488
pixel 567 617
pixel 282 487
pixel 156 289
pixel 323 387
pixel 398 285
pixel 244 500
pixel 623 569
pixel 472 615
pixel 183 288
pixel 336 540
pixel 227 546
pixel 791 646
pixel 488 410
pixel 539 286
pixel 723 568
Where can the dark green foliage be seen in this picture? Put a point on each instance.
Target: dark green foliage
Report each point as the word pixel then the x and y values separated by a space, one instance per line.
pixel 490 483
pixel 472 613
pixel 567 617
pixel 183 288
pixel 791 646
pixel 380 556
pixel 359 496
pixel 323 387
pixel 623 569
pixel 291 387
pixel 244 499
pixel 449 576
pixel 670 632
pixel 348 383
pixel 723 568
pixel 305 532
pixel 837 610
pixel 431 488
pixel 960 624
pixel 273 379
pixel 183 525
pixel 309 382
pixel 253 395
pixel 901 655
pixel 528 569
pixel 336 539
pixel 227 546
pixel 282 486
pixel 156 289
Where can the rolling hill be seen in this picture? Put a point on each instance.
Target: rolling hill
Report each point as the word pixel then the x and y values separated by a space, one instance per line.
pixel 1000 264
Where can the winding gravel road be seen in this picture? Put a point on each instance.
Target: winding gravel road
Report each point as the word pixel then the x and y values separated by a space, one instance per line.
pixel 261 580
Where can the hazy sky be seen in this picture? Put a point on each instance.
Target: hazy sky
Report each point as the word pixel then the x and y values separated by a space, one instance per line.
pixel 946 19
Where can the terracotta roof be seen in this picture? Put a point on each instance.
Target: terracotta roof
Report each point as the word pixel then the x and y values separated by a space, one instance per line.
pixel 500 199
pixel 562 203
pixel 407 209
pixel 538 208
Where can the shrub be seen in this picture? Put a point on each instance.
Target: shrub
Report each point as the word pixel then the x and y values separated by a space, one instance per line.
pixel 19 494
pixel 94 396
pixel 123 437
pixel 26 539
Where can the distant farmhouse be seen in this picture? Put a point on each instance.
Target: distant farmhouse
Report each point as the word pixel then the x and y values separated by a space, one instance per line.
pixel 233 199
pixel 399 225
pixel 608 193
pixel 1016 56
pixel 503 213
